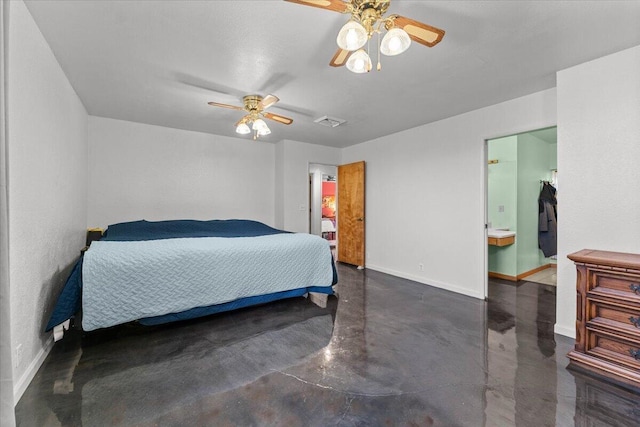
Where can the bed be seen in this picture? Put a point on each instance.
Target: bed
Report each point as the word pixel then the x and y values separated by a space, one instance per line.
pixel 165 271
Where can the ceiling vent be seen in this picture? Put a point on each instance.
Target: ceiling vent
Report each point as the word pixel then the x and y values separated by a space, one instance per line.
pixel 330 122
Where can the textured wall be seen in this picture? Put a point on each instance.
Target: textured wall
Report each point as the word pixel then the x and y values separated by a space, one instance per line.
pixel 47 141
pixel 139 171
pixel 598 162
pixel 425 193
pixel 295 160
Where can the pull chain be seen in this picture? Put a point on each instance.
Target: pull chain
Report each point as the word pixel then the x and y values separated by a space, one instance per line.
pixel 378 67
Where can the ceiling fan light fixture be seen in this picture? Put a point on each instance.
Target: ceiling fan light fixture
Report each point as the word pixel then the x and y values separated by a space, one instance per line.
pixel 259 125
pixel 359 62
pixel 264 132
pixel 243 129
pixel 395 42
pixel 352 36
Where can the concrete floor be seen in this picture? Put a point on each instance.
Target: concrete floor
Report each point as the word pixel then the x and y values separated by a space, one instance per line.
pixel 387 352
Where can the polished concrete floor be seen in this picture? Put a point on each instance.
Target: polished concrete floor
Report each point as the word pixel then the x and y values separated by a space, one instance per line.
pixel 387 352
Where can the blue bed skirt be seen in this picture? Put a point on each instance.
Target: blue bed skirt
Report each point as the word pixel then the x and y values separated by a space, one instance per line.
pixel 233 305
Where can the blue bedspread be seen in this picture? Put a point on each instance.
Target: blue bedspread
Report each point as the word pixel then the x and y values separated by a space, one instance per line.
pixel 70 300
pixel 156 230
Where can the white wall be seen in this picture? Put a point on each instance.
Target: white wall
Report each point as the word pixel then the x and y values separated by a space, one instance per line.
pixel 599 164
pixel 279 183
pixel 47 151
pixel 139 171
pixel 294 158
pixel 425 192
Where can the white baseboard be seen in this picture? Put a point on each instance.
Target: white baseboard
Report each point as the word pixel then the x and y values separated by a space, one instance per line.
pixel 21 385
pixel 430 282
pixel 563 330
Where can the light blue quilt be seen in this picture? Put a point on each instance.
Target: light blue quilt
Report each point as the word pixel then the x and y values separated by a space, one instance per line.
pixel 125 281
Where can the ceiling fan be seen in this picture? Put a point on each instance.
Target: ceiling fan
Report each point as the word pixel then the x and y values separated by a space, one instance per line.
pixel 255 105
pixel 367 18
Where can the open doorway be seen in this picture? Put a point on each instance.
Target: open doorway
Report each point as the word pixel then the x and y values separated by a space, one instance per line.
pixel 522 173
pixel 323 202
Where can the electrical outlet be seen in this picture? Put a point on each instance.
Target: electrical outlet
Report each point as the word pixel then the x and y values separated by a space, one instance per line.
pixel 501 208
pixel 302 208
pixel 421 267
pixel 19 352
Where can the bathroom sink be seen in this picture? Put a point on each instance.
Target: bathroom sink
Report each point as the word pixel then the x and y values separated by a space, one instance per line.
pixel 499 233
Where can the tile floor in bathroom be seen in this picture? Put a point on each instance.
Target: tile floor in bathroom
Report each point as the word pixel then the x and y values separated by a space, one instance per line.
pixel 548 276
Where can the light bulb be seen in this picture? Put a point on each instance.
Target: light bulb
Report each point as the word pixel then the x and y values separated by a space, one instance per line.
pixel 259 125
pixel 243 129
pixel 359 62
pixel 352 36
pixel 395 42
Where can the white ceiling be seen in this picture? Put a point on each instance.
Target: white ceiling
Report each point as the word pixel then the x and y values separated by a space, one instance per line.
pixel 160 62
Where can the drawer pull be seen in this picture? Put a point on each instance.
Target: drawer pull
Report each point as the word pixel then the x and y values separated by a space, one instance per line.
pixel 635 321
pixel 634 353
pixel 635 288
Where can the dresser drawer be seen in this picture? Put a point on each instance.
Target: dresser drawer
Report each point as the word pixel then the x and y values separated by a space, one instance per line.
pixel 613 284
pixel 621 318
pixel 614 348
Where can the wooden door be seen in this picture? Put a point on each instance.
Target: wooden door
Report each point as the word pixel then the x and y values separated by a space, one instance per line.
pixel 351 214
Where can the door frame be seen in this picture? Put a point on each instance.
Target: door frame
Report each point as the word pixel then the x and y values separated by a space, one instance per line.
pixel 485 191
pixel 309 192
pixel 485 185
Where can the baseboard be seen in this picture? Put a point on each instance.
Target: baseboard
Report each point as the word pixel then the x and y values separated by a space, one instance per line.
pixel 427 281
pixel 520 276
pixel 563 330
pixel 535 270
pixel 21 385
pixel 495 275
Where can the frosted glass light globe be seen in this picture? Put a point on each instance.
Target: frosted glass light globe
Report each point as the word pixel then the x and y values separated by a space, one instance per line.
pixel 243 129
pixel 352 36
pixel 259 125
pixel 359 62
pixel 395 42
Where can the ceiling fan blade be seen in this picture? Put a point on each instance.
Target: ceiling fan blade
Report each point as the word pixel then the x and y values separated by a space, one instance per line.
pixel 268 101
pixel 334 5
pixel 231 107
pixel 419 32
pixel 278 118
pixel 242 120
pixel 340 58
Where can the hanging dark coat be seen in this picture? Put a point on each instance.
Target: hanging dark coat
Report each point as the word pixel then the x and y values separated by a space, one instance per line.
pixel 547 221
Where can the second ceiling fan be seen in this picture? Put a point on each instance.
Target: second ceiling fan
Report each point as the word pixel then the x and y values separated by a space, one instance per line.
pixel 367 18
pixel 255 105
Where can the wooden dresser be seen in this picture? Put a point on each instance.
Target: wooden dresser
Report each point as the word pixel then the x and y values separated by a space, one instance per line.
pixel 608 315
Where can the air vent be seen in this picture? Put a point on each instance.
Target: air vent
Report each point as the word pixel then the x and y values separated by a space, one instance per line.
pixel 330 122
